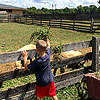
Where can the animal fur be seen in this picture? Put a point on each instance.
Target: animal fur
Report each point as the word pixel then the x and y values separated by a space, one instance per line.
pixel 69 54
pixel 18 64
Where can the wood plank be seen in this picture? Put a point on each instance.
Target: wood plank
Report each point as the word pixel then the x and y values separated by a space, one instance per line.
pixel 24 96
pixel 44 22
pixel 77 45
pixel 14 74
pixel 98 67
pixel 71 74
pixel 95 25
pixel 14 56
pixel 71 24
pixel 96 22
pixel 70 21
pixel 95 53
pixel 58 21
pixel 16 90
pixel 68 82
pixel 81 28
pixel 76 28
pixel 82 22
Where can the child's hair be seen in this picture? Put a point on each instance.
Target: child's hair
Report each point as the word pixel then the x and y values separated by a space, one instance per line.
pixel 41 45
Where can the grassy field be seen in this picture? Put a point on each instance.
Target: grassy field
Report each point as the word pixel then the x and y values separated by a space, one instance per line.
pixel 14 35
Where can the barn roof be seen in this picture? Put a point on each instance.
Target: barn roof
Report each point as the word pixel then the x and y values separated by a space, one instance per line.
pixel 4 6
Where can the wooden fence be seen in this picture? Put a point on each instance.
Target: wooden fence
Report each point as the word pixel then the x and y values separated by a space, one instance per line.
pixel 26 92
pixel 71 22
pixel 8 18
pixel 78 25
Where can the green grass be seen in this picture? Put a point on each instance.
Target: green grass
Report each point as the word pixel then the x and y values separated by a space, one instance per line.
pixel 18 81
pixel 14 35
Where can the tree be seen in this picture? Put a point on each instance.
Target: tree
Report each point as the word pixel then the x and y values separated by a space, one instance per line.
pixel 86 9
pixel 79 9
pixel 98 1
pixel 66 10
pixel 72 10
pixel 31 10
pixel 93 9
pixel 99 9
pixel 58 11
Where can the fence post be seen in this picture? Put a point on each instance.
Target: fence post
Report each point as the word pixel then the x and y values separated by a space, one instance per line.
pixel 40 21
pixel 95 53
pixel 26 20
pixel 73 23
pixel 20 19
pixel 32 20
pixel 60 23
pixel 8 18
pixel 15 19
pixel 91 26
pixel 49 22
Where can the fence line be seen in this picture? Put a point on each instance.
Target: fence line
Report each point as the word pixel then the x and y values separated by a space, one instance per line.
pixel 64 21
pixel 78 25
pixel 62 80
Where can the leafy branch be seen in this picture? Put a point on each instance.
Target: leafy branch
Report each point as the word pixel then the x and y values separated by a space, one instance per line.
pixel 41 34
pixel 56 53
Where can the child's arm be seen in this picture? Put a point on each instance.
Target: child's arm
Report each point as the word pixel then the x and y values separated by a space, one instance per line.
pixel 24 54
pixel 48 43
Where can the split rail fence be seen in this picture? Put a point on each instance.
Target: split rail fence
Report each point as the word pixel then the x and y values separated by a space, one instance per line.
pixel 66 22
pixel 72 24
pixel 26 92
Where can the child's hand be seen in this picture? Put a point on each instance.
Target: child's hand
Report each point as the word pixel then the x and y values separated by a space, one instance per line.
pixel 48 43
pixel 24 53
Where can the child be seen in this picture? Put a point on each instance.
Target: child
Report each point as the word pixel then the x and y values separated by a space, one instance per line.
pixel 41 66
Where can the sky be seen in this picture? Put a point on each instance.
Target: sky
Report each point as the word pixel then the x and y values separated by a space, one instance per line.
pixel 50 4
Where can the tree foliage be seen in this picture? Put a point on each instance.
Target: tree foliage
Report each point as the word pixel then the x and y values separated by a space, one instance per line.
pixel 98 1
pixel 66 10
